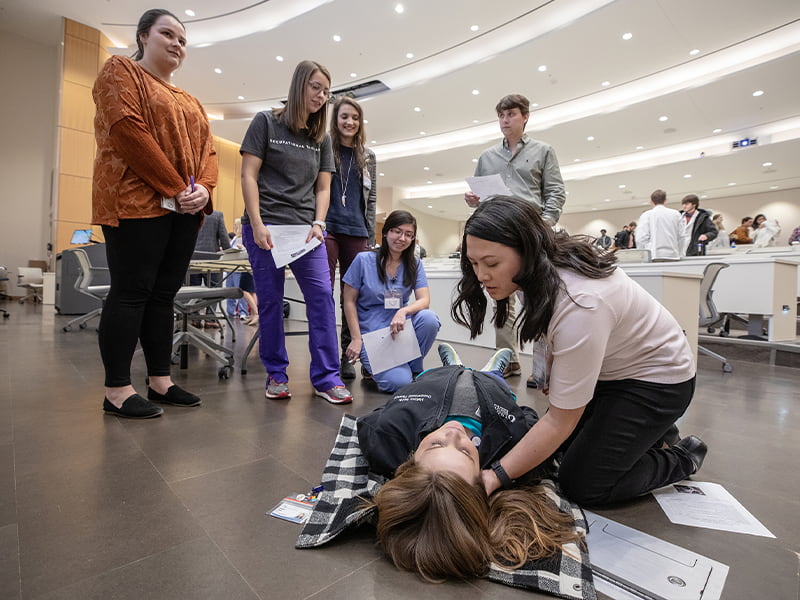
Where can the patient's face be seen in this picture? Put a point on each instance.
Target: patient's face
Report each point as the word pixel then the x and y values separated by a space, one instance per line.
pixel 449 448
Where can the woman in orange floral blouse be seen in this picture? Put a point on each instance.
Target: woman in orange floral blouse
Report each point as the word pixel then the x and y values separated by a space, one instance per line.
pixel 153 175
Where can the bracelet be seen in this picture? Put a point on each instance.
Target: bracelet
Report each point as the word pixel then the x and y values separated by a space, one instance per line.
pixel 505 481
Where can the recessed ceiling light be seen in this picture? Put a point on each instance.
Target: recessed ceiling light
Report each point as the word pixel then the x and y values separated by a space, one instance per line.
pixel 426 168
pixel 607 200
pixel 475 92
pixel 422 133
pixel 627 36
pixel 663 118
pixel 703 196
pixel 717 130
pixel 217 70
pixel 732 183
pixel 774 187
pixel 640 147
pixel 205 45
pixel 398 8
pixel 337 38
pixel 593 208
pixel 542 68
pixel 373 142
pixel 606 83
pixel 694 52
pixel 430 206
pixel 758 93
pixel 766 164
pixel 474 160
pixel 279 58
pixel 475 121
pixel 381 174
pixel 474 28
pixel 409 55
pixel 189 12
pixel 417 109
pixel 621 186
pixel 535 104
pixel 687 176
pixel 366 122
pixel 590 138
pixel 429 181
pixel 576 160
pixel 240 97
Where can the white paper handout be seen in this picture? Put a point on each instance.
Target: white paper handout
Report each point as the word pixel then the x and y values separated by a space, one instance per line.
pixel 289 243
pixel 384 352
pixel 709 505
pixel 487 186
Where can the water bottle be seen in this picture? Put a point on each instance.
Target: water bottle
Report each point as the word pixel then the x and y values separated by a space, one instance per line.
pixel 700 249
pixel 733 244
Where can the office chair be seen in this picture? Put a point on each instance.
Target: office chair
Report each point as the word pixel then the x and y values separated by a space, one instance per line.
pixel 83 285
pixel 709 315
pixel 32 280
pixel 3 294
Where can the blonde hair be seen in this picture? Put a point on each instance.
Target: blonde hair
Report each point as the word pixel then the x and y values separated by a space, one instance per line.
pixel 441 526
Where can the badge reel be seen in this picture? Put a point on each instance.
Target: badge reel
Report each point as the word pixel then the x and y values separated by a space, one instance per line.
pixel 392 299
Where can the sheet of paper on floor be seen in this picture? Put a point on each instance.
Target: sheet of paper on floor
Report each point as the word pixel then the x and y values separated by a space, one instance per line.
pixel 709 505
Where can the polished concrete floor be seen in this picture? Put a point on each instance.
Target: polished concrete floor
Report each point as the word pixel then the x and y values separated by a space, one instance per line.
pixel 94 507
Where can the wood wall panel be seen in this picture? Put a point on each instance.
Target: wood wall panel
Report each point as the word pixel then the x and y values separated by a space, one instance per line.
pixel 77 152
pixel 77 107
pixel 83 32
pixel 80 61
pixel 74 198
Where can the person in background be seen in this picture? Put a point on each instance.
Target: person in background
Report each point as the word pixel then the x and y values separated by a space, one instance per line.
pixel 530 170
pixel 698 226
pixel 661 230
pixel 154 171
pixel 741 235
pixel 351 215
pixel 765 231
pixel 621 370
pixel 244 280
pixel 419 250
pixel 621 239
pixel 287 160
pixel 377 289
pixel 722 239
pixel 212 238
pixel 604 241
pixel 794 238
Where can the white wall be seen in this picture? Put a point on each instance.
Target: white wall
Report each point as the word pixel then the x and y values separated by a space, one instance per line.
pixel 783 205
pixel 29 72
pixel 439 237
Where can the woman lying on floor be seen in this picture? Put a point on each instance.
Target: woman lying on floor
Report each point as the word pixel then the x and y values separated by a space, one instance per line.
pixel 433 438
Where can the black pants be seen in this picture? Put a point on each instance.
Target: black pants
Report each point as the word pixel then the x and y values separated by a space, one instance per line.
pixel 612 453
pixel 147 263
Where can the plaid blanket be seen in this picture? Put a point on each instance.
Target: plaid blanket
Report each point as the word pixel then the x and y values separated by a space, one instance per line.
pixel 347 479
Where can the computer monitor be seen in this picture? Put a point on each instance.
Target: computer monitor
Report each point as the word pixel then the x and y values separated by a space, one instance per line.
pixel 81 236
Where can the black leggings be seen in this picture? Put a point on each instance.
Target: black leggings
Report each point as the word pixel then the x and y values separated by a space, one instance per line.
pixel 612 455
pixel 147 263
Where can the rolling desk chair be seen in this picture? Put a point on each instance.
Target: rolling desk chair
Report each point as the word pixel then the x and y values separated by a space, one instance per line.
pixel 83 285
pixel 31 279
pixel 709 315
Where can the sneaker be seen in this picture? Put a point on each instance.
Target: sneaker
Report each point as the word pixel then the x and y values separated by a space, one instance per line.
pixel 278 391
pixel 336 395
pixel 448 355
pixel 512 369
pixel 346 369
pixel 499 361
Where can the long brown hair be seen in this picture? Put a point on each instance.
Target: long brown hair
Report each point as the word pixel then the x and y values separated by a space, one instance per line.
pixel 441 526
pixel 358 139
pixel 292 115
pixel 516 223
pixel 395 219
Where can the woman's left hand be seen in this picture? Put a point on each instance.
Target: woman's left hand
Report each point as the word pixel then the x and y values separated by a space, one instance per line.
pixel 192 202
pixel 398 322
pixel 316 232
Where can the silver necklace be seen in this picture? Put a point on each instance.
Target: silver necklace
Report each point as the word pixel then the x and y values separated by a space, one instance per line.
pixel 345 181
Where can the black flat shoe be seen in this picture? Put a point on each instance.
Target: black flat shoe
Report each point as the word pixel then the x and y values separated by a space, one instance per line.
pixel 174 396
pixel 695 449
pixel 346 369
pixel 134 407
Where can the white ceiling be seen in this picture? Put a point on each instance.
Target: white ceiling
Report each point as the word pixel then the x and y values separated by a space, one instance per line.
pixel 743 46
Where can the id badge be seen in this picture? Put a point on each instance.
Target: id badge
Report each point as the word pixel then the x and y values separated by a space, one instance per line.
pixel 392 299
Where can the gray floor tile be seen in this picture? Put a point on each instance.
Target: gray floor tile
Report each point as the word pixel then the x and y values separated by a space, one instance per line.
pixel 9 563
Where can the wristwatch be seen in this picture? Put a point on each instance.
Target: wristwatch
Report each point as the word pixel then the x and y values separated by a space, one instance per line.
pixel 505 481
pixel 320 223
